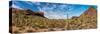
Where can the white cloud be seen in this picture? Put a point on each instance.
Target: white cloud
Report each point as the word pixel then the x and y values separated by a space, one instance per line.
pixel 28 3
pixel 14 6
pixel 55 15
pixel 62 6
pixel 37 3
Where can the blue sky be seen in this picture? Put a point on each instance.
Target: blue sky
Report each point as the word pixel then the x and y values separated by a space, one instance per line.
pixel 52 10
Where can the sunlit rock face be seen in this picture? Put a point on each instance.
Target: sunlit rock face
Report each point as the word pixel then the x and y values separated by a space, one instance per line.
pixel 90 12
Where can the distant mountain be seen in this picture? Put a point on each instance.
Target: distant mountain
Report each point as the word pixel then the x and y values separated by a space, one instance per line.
pixel 26 12
pixel 30 12
pixel 90 12
pixel 74 17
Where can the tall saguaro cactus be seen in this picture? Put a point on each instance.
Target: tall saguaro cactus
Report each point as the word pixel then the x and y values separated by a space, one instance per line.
pixel 67 20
